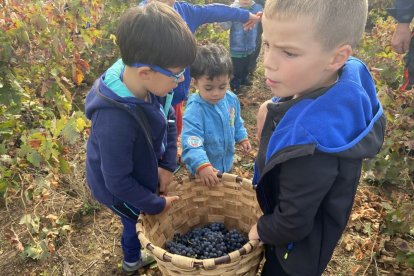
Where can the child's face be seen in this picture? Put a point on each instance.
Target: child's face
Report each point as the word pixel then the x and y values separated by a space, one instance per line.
pixel 245 3
pixel 295 62
pixel 161 84
pixel 213 90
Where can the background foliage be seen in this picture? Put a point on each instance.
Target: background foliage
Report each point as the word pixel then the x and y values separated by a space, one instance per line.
pixel 52 51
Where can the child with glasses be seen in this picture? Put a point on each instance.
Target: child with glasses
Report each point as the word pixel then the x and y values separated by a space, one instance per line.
pixel 212 121
pixel 131 150
pixel 323 120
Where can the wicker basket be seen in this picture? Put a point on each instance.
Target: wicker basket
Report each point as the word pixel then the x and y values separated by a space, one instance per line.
pixel 233 202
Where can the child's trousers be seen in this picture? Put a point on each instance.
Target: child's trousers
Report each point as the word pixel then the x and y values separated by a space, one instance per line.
pixel 131 247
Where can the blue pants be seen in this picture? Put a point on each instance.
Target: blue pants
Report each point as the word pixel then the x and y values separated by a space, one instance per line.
pixel 131 247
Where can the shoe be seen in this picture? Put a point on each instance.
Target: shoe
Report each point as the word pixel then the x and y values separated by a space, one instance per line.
pixel 130 269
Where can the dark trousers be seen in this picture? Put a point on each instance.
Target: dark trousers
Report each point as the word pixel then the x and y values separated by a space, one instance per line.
pixel 240 72
pixel 272 265
pixel 409 67
pixel 255 55
pixel 131 247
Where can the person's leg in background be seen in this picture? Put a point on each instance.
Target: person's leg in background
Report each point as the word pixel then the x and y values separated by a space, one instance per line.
pixel 178 108
pixel 235 82
pixel 245 72
pixel 255 55
pixel 409 67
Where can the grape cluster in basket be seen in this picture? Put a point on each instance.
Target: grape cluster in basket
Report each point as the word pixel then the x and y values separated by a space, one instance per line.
pixel 211 241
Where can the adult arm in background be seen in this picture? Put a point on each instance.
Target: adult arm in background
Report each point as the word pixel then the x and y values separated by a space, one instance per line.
pixel 403 12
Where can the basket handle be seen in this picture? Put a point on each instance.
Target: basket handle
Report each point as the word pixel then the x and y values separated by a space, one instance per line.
pixel 222 175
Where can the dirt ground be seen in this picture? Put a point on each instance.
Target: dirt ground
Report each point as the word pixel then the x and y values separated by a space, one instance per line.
pixel 92 246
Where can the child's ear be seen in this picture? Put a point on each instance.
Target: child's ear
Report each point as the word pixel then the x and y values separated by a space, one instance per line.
pixel 194 82
pixel 340 56
pixel 144 72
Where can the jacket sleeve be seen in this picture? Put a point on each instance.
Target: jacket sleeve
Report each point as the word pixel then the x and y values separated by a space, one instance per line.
pixel 403 11
pixel 117 139
pixel 300 197
pixel 194 154
pixel 240 132
pixel 218 13
pixel 169 159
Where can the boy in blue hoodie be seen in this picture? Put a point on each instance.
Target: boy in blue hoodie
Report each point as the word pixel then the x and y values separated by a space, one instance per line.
pixel 212 121
pixel 325 118
pixel 131 150
pixel 242 45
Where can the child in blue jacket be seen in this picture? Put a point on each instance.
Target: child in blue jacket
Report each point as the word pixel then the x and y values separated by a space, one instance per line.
pixel 212 121
pixel 324 119
pixel 131 150
pixel 242 45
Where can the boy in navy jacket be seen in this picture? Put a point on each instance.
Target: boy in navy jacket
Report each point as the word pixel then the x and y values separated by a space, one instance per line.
pixel 131 150
pixel 325 118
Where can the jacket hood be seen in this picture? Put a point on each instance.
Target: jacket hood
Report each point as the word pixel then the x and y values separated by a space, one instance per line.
pixel 347 120
pixel 94 102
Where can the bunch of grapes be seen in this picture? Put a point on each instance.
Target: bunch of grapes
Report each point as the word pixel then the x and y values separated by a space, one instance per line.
pixel 211 241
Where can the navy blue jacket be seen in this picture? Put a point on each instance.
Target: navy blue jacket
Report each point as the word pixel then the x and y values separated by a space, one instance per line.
pixel 403 11
pixel 309 164
pixel 121 166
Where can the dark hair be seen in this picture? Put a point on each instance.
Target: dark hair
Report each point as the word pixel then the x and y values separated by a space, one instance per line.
pixel 155 34
pixel 212 60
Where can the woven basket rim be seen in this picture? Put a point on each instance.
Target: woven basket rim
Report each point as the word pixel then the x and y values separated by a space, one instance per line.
pixel 247 248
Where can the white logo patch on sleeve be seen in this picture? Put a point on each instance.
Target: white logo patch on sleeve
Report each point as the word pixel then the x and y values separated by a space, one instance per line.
pixel 194 141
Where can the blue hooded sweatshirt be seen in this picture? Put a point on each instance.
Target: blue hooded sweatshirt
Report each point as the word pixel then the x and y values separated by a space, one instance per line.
pixel 309 164
pixel 121 165
pixel 210 132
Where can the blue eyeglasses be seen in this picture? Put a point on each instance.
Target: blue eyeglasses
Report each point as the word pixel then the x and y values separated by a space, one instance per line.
pixel 158 69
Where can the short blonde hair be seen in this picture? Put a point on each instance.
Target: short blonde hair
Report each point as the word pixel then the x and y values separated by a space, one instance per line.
pixel 336 22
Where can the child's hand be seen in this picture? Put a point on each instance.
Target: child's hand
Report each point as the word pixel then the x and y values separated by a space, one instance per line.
pixel 246 146
pixel 168 201
pixel 208 176
pixel 165 177
pixel 253 234
pixel 253 19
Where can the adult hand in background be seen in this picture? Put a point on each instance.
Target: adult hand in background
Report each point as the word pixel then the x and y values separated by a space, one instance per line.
pixel 401 38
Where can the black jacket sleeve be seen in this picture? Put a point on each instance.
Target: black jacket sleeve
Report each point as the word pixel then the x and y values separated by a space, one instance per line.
pixel 304 182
